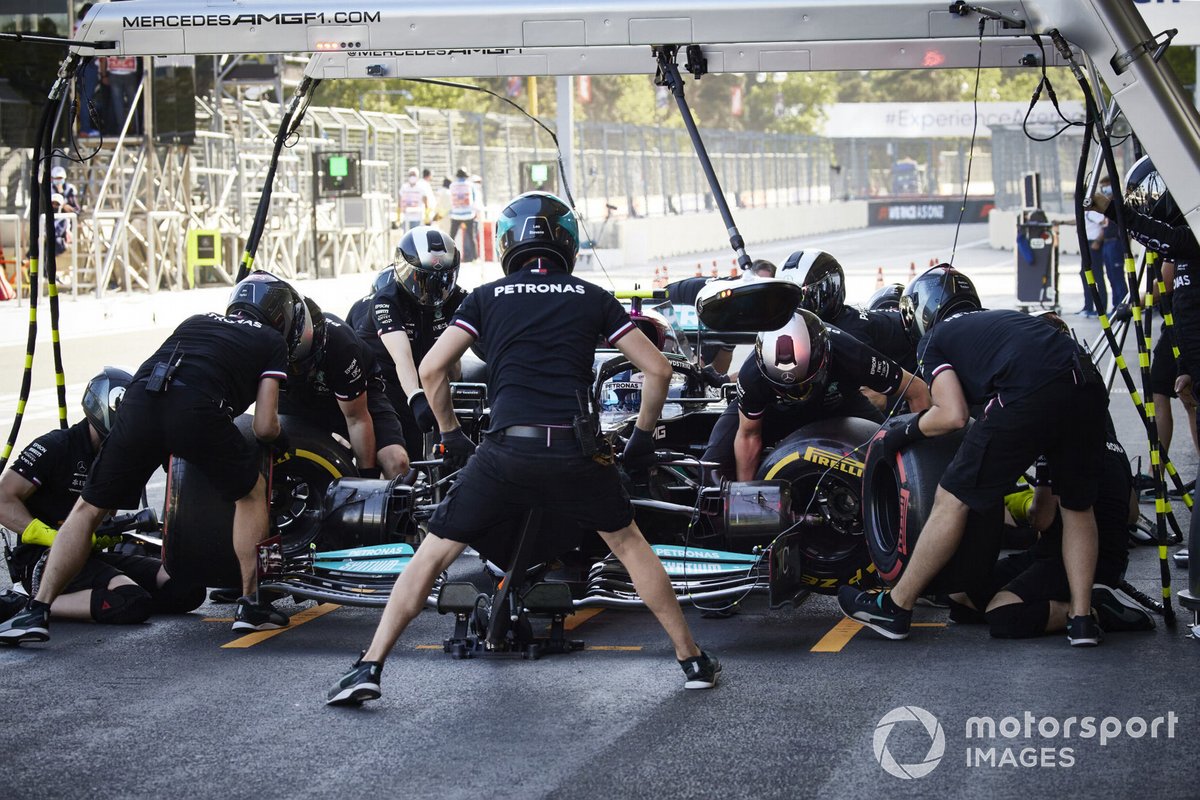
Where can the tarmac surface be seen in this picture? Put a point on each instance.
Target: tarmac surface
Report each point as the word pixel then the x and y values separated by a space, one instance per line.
pixel 183 707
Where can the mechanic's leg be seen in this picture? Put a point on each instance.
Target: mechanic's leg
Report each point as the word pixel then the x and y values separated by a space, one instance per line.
pixel 1080 546
pixel 392 461
pixel 251 518
pixel 939 541
pixel 71 549
pixel 651 583
pixel 1011 617
pixel 1164 420
pixel 412 588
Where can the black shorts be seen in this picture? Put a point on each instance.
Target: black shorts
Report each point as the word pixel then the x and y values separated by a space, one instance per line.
pixel 1163 369
pixel 153 427
pixel 507 476
pixel 98 571
pixel 1063 421
pixel 326 414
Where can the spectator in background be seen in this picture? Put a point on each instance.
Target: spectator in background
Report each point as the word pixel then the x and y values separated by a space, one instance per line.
pixel 464 212
pixel 1094 222
pixel 120 75
pixel 92 98
pixel 441 207
pixel 414 201
pixel 430 200
pixel 1112 252
pixel 59 186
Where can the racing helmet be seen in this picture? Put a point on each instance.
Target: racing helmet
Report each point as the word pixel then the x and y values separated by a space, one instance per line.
pixel 537 225
pixel 934 295
pixel 102 396
pixel 657 329
pixel 795 358
pixel 820 277
pixel 426 266
pixel 886 297
pixel 275 303
pixel 1146 193
pixel 303 364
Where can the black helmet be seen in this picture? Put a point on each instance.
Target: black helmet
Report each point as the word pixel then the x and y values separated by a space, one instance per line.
pixel 426 266
pixel 273 302
pixel 934 295
pixel 303 363
pixel 102 396
pixel 886 297
pixel 537 224
pixel 1147 193
pixel 821 278
pixel 795 358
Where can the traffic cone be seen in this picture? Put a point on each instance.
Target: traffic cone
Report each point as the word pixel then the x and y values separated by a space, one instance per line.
pixel 933 262
pixel 714 269
pixel 699 271
pixel 658 281
pixel 912 270
pixel 879 279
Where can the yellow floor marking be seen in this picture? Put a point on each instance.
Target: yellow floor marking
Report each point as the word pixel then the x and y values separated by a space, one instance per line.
pixel 579 617
pixel 928 624
pixel 217 619
pixel 251 639
pixel 619 647
pixel 838 636
pixel 429 647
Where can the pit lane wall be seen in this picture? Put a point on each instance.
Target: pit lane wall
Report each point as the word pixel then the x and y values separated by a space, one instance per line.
pixel 1002 230
pixel 646 240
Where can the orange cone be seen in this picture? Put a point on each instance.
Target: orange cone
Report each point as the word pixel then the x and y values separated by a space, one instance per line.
pixel 699 272
pixel 658 281
pixel 879 279
pixel 912 270
pixel 933 262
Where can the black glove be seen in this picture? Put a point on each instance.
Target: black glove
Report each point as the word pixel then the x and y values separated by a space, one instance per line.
pixel 421 410
pixel 1041 472
pixel 639 450
pixel 712 378
pixel 369 472
pixel 1122 313
pixel 280 446
pixel 457 447
pixel 894 439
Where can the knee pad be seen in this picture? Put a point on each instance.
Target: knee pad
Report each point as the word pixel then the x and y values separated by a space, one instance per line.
pixel 127 604
pixel 177 597
pixel 1019 620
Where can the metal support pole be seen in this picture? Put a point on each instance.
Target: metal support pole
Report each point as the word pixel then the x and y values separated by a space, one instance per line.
pixel 564 87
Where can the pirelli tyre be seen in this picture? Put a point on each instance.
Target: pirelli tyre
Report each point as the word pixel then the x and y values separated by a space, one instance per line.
pixel 898 496
pixel 198 525
pixel 823 463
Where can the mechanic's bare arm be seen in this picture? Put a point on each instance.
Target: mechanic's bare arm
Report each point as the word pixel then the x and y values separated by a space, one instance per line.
pixel 266 410
pixel 950 410
pixel 747 447
pixel 400 349
pixel 14 491
pixel 656 371
pixel 435 374
pixel 360 429
pixel 1183 388
pixel 916 391
pixel 1043 508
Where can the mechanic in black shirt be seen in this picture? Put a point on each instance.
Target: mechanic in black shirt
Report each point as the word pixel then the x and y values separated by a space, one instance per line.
pixel 38 492
pixel 823 284
pixel 803 372
pixel 182 402
pixel 340 387
pixel 538 326
pixel 1041 397
pixel 411 305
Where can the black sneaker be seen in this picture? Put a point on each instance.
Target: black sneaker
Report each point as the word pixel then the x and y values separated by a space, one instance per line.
pixel 869 609
pixel 11 604
pixel 1083 631
pixel 1118 611
pixel 32 624
pixel 358 685
pixel 701 672
pixel 254 615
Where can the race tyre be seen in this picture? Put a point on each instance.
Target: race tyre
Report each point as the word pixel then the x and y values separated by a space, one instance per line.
pixel 898 496
pixel 198 524
pixel 823 463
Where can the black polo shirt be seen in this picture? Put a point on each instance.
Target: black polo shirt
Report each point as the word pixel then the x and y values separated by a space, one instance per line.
pixel 996 354
pixel 539 331
pixel 223 357
pixel 344 370
pixel 57 463
pixel 852 364
pixel 392 310
pixel 882 330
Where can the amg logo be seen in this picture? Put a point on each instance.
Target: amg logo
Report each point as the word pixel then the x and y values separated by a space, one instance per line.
pixel 478 51
pixel 841 463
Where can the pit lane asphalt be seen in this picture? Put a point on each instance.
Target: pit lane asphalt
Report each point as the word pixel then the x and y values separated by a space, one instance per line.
pixel 164 709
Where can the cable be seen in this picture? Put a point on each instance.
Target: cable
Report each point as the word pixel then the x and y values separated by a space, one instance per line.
pixel 971 150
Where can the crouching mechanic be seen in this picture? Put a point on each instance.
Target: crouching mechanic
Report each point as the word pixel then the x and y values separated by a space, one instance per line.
pixel 39 491
pixel 1042 398
pixel 803 372
pixel 409 308
pixel 182 402
pixel 538 327
pixel 339 387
